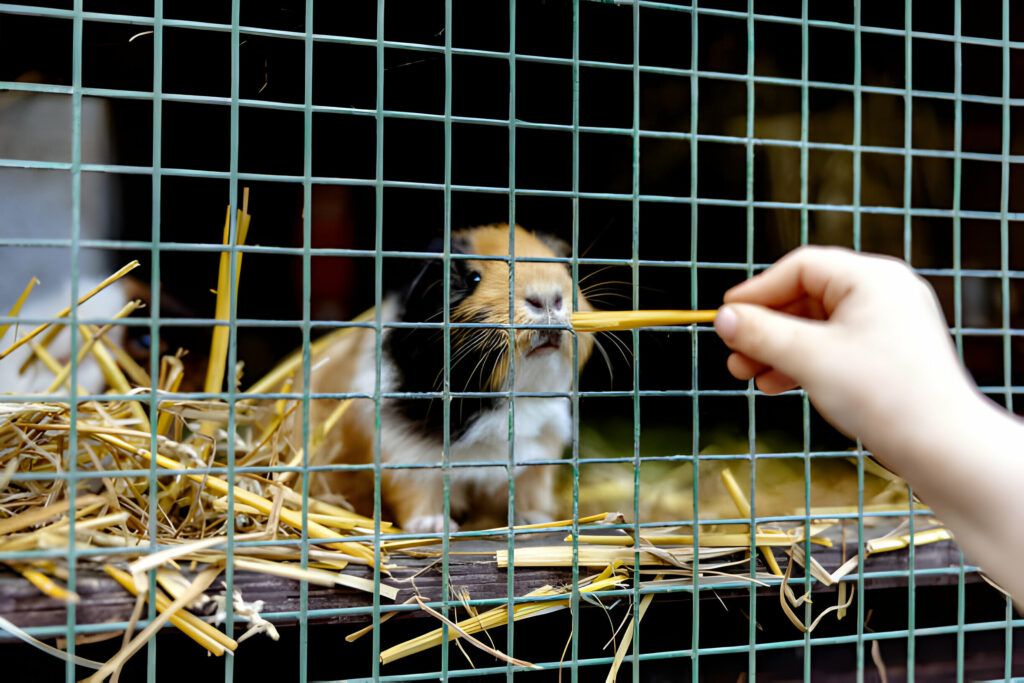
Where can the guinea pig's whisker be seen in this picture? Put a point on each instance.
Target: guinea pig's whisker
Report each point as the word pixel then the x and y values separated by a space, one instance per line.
pixel 456 358
pixel 604 287
pixel 479 367
pixel 593 273
pixel 602 296
pixel 604 283
pixel 619 344
pixel 607 360
pixel 468 343
pixel 488 339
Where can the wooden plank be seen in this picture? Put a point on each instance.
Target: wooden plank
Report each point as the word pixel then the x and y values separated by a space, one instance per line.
pixel 104 601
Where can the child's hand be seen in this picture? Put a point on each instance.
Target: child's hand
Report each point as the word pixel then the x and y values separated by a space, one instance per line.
pixel 862 334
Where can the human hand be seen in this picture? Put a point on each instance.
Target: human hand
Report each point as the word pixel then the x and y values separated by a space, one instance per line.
pixel 862 334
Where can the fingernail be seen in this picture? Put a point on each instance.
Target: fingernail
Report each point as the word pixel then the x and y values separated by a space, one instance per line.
pixel 725 323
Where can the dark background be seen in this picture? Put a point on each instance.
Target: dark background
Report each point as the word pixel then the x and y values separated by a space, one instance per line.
pixel 196 136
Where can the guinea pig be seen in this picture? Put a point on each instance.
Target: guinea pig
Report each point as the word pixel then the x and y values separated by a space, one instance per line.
pixel 412 362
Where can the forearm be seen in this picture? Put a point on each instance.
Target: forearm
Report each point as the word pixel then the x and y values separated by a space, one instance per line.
pixel 969 467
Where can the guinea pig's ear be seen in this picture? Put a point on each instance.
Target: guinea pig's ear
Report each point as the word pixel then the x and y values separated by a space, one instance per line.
pixel 558 246
pixel 423 296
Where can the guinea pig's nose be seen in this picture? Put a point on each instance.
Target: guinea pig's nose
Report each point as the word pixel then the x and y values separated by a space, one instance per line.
pixel 544 303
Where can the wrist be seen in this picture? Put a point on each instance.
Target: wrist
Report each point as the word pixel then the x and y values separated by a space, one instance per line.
pixel 962 453
pixel 920 435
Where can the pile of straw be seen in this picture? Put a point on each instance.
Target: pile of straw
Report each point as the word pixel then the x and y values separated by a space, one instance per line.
pixel 96 489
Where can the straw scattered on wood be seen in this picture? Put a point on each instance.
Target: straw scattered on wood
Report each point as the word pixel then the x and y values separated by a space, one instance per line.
pixel 117 506
pixel 522 609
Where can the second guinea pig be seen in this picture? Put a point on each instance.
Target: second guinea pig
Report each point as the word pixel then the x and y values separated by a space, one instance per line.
pixel 412 362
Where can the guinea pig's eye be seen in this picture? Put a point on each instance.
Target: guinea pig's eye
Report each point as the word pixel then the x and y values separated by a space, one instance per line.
pixel 473 278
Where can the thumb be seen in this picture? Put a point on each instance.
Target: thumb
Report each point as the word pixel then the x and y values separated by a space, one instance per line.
pixel 778 340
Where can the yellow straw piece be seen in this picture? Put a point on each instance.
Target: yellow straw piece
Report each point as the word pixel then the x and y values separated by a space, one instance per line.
pixel 597 556
pixel 294 498
pixel 198 630
pixel 291 517
pixel 39 515
pixel 175 373
pixel 498 616
pixel 320 577
pixel 16 308
pixel 225 293
pixel 45 584
pixel 417 542
pixel 610 321
pixel 90 341
pixel 127 363
pixel 40 353
pixel 356 635
pixel 881 545
pixel 741 503
pixel 316 439
pixel 63 314
pixel 824 511
pixel 627 636
pixel 706 540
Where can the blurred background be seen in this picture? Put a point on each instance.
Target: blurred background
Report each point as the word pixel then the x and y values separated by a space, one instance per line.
pixel 118 131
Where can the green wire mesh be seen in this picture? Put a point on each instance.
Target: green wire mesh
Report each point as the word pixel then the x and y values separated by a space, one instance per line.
pixel 698 659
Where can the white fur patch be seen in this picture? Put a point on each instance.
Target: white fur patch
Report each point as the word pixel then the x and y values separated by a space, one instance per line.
pixel 543 427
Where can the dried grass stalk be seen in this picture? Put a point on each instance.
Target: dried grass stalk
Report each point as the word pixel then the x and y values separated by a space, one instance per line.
pixel 198 630
pixel 47 586
pixel 226 294
pixel 881 545
pixel 198 586
pixel 611 577
pixel 597 557
pixel 602 518
pixel 611 321
pixel 67 311
pixel 764 537
pixel 36 516
pixel 786 598
pixel 221 487
pixel 627 636
pixel 743 505
pixel 470 639
pixel 16 308
pixel 49 649
pixel 356 635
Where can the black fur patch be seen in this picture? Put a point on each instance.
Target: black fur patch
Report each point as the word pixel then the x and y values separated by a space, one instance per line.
pixel 418 354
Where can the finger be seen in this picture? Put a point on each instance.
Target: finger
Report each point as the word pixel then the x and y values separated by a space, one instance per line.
pixel 744 367
pixel 807 271
pixel 775 339
pixel 805 307
pixel 775 382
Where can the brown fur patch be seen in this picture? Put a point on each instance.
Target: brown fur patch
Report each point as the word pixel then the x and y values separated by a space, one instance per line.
pixel 489 302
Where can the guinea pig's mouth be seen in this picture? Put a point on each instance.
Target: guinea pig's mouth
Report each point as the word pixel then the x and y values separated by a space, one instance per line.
pixel 545 341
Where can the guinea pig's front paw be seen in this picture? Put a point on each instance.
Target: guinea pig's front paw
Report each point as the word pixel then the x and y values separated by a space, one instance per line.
pixel 428 524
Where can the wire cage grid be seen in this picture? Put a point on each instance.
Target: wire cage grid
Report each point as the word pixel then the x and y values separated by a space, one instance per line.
pixel 577 665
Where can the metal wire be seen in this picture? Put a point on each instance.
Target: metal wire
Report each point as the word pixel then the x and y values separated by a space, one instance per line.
pixel 578 666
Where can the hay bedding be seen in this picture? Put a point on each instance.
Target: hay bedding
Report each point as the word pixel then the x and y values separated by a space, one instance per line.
pixel 181 518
